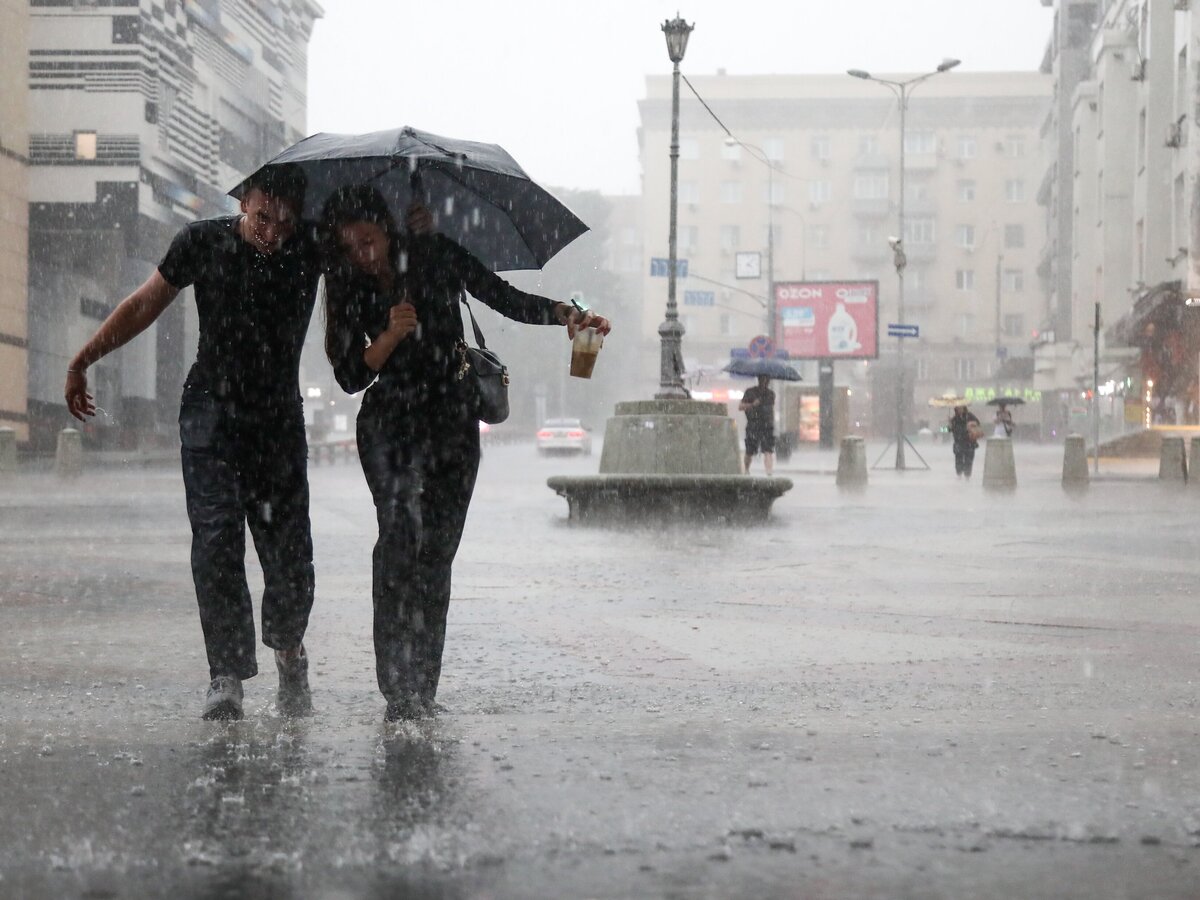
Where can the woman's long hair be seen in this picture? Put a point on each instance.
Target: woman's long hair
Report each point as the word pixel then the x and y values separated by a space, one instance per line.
pixel 357 203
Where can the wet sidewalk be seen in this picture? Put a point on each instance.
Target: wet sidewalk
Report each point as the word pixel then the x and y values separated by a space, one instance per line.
pixel 920 690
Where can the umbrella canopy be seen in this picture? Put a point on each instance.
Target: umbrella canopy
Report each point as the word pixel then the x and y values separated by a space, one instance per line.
pixel 948 400
pixel 775 369
pixel 480 198
pixel 1006 401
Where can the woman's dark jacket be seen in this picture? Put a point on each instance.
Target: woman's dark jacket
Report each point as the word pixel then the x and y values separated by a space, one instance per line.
pixel 421 375
pixel 958 428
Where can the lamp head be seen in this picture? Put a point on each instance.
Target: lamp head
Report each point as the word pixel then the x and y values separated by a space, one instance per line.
pixel 947 64
pixel 676 31
pixel 858 73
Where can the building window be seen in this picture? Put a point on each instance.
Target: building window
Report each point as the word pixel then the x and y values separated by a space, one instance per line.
pixel 915 279
pixel 964 369
pixel 689 237
pixel 731 192
pixel 727 327
pixel 1014 325
pixel 731 150
pixel 920 143
pixel 1014 147
pixel 774 193
pixel 916 192
pixel 689 192
pixel 773 233
pixel 1014 281
pixel 964 236
pixel 773 147
pixel 964 279
pixel 1014 190
pixel 818 237
pixel 868 145
pixel 868 235
pixel 820 191
pixel 967 147
pixel 689 148
pixel 871 187
pixel 731 237
pixel 1014 236
pixel 924 369
pixel 919 231
pixel 85 145
pixel 821 148
pixel 966 191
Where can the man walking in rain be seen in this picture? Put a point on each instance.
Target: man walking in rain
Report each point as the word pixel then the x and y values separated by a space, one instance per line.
pixel 758 403
pixel 241 426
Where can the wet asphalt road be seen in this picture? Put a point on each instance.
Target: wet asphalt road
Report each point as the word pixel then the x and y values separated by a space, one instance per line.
pixel 923 690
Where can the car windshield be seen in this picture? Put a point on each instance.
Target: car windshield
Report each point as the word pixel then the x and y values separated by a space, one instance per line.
pixel 562 423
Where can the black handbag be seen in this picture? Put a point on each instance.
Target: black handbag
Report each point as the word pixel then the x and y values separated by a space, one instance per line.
pixel 486 375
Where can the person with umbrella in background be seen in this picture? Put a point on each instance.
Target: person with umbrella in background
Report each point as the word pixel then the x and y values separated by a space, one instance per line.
pixel 965 431
pixel 758 403
pixel 1003 426
pixel 241 426
pixel 394 327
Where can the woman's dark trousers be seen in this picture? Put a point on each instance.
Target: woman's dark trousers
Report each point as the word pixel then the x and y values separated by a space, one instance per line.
pixel 247 468
pixel 422 489
pixel 964 459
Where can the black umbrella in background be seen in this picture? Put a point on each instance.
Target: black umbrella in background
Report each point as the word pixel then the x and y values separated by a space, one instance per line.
pixel 775 369
pixel 1006 401
pixel 480 198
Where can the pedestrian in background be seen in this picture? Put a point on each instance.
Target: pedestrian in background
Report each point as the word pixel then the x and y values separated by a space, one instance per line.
pixel 966 431
pixel 758 403
pixel 1003 422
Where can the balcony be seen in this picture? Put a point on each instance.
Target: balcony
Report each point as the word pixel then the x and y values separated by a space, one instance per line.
pixel 919 300
pixel 921 162
pixel 871 207
pixel 920 253
pixel 872 162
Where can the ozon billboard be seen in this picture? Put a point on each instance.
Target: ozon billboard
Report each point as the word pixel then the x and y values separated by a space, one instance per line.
pixel 827 319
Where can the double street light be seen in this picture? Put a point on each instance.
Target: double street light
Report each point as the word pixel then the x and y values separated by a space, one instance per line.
pixel 901 89
pixel 670 332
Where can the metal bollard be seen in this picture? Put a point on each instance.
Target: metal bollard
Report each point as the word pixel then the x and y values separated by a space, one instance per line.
pixel 852 463
pixel 68 454
pixel 999 467
pixel 1172 463
pixel 1075 466
pixel 8 450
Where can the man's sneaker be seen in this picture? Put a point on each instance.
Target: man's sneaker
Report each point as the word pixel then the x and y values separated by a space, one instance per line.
pixel 405 709
pixel 224 699
pixel 294 697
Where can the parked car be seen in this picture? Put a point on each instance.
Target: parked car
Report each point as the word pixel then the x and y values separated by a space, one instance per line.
pixel 564 436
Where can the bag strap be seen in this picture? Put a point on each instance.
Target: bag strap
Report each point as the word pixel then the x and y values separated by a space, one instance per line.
pixel 474 325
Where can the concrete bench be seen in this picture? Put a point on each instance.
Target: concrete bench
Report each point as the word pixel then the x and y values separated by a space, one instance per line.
pixel 683 499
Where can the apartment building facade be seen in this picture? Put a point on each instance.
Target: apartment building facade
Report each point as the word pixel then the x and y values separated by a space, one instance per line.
pixel 142 114
pixel 814 161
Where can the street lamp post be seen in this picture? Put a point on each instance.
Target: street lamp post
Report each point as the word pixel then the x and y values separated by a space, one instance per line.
pixel 670 332
pixel 901 89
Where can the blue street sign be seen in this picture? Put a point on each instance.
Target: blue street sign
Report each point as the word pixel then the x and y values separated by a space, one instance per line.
pixel 903 331
pixel 699 298
pixel 661 267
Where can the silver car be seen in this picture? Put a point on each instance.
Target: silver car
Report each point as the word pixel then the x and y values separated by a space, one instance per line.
pixel 564 436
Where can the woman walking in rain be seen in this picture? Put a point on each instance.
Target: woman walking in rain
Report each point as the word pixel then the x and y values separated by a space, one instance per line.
pixel 965 429
pixel 393 325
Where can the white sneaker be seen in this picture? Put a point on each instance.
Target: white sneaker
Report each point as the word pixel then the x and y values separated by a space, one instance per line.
pixel 224 699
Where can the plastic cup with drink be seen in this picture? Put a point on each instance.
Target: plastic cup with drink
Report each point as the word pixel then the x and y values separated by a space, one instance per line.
pixel 584 349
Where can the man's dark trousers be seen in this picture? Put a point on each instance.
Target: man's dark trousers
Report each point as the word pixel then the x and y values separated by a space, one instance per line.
pixel 247 467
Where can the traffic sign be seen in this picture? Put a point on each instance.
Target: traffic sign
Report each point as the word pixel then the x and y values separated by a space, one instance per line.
pixel 762 347
pixel 660 267
pixel 903 331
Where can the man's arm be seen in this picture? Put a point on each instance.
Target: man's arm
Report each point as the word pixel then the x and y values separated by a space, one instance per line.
pixel 133 315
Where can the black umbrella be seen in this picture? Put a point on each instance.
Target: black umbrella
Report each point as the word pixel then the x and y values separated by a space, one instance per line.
pixel 775 369
pixel 1006 401
pixel 480 198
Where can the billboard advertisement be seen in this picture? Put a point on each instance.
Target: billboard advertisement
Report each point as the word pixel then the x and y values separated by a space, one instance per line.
pixel 827 319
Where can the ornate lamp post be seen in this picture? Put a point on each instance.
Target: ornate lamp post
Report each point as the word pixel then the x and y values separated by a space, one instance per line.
pixel 670 331
pixel 901 89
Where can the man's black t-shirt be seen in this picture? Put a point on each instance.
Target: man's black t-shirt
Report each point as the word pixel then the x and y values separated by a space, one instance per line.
pixel 254 310
pixel 761 417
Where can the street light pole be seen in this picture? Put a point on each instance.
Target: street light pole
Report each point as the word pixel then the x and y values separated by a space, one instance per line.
pixel 671 331
pixel 901 89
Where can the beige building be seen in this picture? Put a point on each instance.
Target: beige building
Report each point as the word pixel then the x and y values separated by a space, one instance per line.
pixel 972 229
pixel 14 216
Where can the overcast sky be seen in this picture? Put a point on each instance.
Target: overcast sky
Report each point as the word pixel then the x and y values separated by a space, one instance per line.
pixel 557 82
